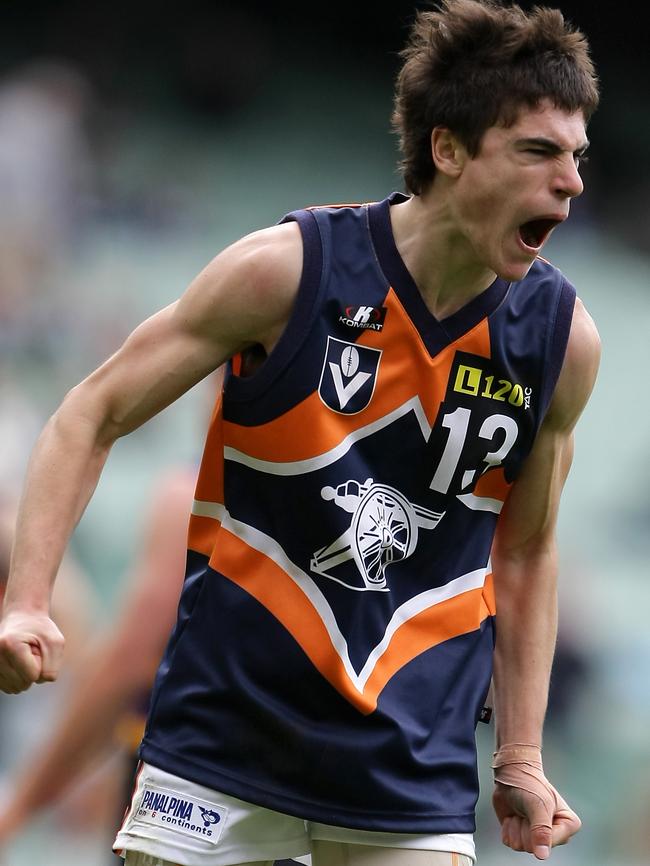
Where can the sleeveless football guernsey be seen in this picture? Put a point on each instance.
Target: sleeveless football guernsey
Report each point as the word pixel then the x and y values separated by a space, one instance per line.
pixel 334 642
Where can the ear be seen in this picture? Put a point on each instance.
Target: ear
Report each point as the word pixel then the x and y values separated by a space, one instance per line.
pixel 449 155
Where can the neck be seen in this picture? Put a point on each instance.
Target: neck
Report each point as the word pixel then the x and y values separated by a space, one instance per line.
pixel 438 256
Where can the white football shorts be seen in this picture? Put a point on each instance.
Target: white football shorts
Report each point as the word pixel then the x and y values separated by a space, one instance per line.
pixel 181 822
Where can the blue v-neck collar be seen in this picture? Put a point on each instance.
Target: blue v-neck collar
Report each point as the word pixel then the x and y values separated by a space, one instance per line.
pixel 436 334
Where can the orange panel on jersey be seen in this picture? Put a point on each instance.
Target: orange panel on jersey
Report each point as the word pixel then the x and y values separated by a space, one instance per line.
pixel 266 581
pixel 476 341
pixel 202 534
pixel 489 597
pixel 276 441
pixel 433 626
pixel 236 362
pixel 493 485
pixel 210 482
pixel 278 593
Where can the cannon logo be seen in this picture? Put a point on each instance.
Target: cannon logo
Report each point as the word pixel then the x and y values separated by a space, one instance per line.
pixel 383 530
pixel 348 377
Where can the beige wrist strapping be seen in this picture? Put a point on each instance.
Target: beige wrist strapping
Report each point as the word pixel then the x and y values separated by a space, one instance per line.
pixel 519 765
pixel 517 753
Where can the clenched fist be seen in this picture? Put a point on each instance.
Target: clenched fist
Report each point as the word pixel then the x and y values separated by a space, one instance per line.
pixel 533 816
pixel 31 649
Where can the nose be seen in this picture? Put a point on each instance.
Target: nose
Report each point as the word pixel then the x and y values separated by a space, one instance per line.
pixel 568 183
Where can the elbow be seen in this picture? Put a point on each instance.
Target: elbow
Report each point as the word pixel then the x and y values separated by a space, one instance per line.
pixel 525 567
pixel 82 414
pixel 521 548
pixel 540 552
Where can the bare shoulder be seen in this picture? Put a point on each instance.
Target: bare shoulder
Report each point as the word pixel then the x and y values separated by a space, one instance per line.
pixel 249 288
pixel 242 298
pixel 579 371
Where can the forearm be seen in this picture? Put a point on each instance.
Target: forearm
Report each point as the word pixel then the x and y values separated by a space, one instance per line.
pixel 526 595
pixel 533 815
pixel 62 474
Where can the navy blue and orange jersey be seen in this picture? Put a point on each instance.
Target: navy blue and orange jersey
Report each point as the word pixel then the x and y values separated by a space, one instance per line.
pixel 335 634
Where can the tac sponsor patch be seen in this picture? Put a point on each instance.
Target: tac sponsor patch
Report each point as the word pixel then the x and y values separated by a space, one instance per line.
pixel 348 377
pixel 180 813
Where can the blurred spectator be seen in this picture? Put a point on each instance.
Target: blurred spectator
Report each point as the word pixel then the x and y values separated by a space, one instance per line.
pixel 25 720
pixel 107 702
pixel 45 178
pixel 20 424
pixel 107 695
pixel 570 679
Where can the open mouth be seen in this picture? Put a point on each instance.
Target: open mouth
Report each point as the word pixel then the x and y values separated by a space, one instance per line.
pixel 534 233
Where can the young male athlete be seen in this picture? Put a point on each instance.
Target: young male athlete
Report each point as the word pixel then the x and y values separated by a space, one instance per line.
pixel 382 473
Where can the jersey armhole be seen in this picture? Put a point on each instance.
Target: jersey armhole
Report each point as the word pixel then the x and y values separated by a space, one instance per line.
pixel 300 320
pixel 557 342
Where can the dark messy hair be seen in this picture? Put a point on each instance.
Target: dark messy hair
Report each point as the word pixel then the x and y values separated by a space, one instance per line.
pixel 472 64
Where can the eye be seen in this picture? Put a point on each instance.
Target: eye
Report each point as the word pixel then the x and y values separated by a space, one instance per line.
pixel 580 159
pixel 537 153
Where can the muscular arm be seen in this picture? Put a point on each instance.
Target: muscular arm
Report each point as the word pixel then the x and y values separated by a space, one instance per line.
pixel 242 298
pixel 525 559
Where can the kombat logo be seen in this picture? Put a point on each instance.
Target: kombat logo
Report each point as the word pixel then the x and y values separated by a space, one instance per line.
pixel 364 317
pixel 167 809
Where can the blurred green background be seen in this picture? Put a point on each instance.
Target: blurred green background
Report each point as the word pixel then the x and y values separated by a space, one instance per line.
pixel 135 143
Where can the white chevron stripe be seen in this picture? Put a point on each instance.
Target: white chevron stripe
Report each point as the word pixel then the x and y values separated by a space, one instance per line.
pixel 201 508
pixel 311 464
pixel 481 503
pixel 269 547
pixel 417 604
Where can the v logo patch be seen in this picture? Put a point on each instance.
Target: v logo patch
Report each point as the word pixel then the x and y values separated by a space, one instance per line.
pixel 345 391
pixel 348 376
